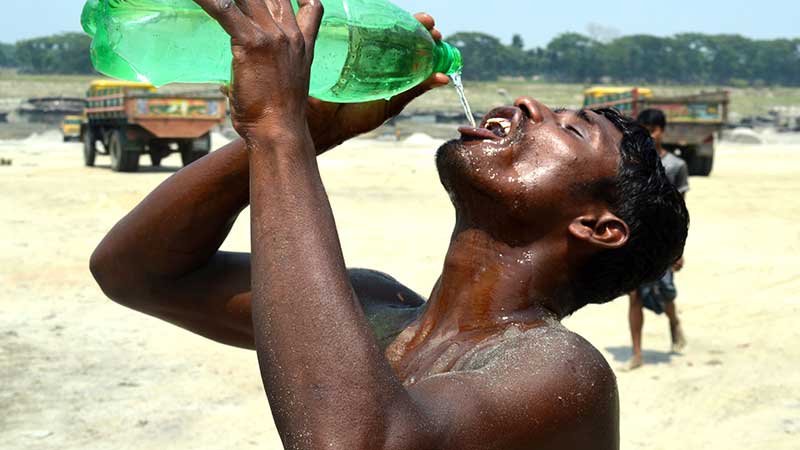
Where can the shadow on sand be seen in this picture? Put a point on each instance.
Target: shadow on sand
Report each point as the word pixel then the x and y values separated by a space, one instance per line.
pixel 623 354
pixel 143 169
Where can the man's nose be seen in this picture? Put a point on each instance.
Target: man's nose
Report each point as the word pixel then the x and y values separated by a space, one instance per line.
pixel 533 109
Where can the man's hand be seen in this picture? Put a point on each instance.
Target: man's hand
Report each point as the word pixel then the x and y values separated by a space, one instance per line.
pixel 334 123
pixel 272 55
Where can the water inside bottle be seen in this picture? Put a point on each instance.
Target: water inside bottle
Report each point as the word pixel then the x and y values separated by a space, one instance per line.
pixel 459 85
pixel 355 63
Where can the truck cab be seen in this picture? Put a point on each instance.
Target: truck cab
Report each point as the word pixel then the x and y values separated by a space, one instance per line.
pixel 693 121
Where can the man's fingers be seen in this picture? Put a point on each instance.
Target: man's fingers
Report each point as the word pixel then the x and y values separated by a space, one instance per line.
pixel 430 24
pixel 256 10
pixel 309 18
pixel 280 11
pixel 426 20
pixel 228 15
pixel 400 101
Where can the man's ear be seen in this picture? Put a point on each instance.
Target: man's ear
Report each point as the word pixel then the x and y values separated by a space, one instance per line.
pixel 605 230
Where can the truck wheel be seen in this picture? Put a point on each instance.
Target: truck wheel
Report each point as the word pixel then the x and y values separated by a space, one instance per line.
pixel 123 159
pixel 191 152
pixel 89 149
pixel 699 166
pixel 692 160
pixel 705 165
pixel 155 159
pixel 158 151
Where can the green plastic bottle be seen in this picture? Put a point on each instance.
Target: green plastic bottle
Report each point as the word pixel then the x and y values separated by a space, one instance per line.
pixel 366 49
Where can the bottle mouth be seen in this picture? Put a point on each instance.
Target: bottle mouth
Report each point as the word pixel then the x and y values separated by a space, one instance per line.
pixel 448 59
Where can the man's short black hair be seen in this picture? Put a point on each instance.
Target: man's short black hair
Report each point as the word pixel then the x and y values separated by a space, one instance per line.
pixel 656 214
pixel 652 118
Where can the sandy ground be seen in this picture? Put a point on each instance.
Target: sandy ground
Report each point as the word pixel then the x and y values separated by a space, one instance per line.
pixel 79 372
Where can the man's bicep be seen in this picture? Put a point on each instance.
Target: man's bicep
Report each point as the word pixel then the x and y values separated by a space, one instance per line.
pixel 214 300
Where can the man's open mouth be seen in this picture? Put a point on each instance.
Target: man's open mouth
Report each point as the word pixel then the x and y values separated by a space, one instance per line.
pixel 498 125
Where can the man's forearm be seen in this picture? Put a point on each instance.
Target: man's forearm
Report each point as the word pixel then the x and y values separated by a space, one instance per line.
pixel 186 219
pixel 313 340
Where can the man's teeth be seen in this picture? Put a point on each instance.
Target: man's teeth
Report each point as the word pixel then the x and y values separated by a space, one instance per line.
pixel 505 123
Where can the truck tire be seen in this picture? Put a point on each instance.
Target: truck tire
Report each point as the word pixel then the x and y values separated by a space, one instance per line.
pixel 189 152
pixel 89 149
pixel 705 158
pixel 692 160
pixel 158 151
pixel 699 166
pixel 123 158
pixel 704 166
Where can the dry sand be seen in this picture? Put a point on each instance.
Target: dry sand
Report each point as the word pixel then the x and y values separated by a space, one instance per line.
pixel 79 372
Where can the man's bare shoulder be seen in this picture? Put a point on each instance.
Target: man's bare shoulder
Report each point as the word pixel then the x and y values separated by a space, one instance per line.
pixel 551 388
pixel 573 382
pixel 378 288
pixel 556 349
pixel 550 349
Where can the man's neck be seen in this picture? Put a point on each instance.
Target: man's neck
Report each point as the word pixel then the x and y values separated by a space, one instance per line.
pixel 661 150
pixel 486 285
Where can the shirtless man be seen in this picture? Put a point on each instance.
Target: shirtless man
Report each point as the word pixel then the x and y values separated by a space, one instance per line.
pixel 554 209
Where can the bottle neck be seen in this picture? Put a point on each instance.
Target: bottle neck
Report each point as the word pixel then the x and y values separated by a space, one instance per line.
pixel 447 59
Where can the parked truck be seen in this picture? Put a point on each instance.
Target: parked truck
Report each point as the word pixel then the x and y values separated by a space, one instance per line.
pixel 125 120
pixel 71 128
pixel 693 121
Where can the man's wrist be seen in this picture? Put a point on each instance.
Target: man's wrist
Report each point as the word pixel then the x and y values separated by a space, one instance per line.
pixel 279 139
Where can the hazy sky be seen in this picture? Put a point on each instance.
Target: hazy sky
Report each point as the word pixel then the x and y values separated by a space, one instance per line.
pixel 536 21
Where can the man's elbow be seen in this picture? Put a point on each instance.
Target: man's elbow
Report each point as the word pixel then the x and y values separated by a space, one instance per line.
pixel 109 274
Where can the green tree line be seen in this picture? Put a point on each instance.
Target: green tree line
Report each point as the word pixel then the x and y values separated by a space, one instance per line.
pixel 66 53
pixel 681 59
pixel 7 55
pixel 689 58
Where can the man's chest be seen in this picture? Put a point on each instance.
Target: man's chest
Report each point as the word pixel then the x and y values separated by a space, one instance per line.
pixel 467 352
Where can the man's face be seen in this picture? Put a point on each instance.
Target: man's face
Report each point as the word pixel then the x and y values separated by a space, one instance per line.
pixel 524 161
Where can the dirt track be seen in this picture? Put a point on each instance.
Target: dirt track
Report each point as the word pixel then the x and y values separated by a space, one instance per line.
pixel 79 372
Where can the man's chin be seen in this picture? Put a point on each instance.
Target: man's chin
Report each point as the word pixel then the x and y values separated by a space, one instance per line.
pixel 449 156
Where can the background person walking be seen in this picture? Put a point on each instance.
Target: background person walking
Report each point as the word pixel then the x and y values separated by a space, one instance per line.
pixel 659 296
